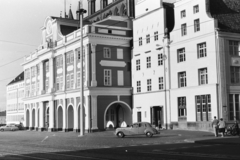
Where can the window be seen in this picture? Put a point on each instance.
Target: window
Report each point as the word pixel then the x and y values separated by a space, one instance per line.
pixel 156 36
pixel 184 29
pixel 148 38
pixel 195 9
pixel 46 66
pixel 106 52
pixel 182 79
pixel 234 112
pixel 202 50
pixel 119 53
pixel 46 84
pixel 235 74
pixel 140 41
pixel 183 14
pixel 71 57
pixel 68 58
pixel 107 77
pixel 160 81
pixel 138 86
pixel 196 25
pixel 203 108
pixel 78 79
pixel 149 85
pixel 234 48
pixel 181 55
pixel 203 76
pixel 72 80
pixel 138 66
pixel 33 72
pixel 182 111
pixel 160 59
pixel 148 62
pixel 68 81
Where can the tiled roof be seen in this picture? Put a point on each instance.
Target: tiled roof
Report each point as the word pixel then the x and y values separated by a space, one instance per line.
pixel 20 77
pixel 227 12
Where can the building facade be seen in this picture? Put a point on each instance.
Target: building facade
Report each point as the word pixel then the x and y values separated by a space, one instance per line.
pixel 52 83
pixel 15 104
pixel 150 83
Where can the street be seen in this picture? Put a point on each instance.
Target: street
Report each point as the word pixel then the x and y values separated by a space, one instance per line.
pixel 170 144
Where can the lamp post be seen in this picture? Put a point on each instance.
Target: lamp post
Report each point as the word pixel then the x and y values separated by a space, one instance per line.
pixel 165 70
pixel 81 12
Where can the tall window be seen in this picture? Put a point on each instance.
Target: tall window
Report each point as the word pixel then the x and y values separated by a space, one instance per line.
pixel 202 50
pixel 46 84
pixel 138 86
pixel 203 76
pixel 203 107
pixel 160 81
pixel 148 38
pixel 234 110
pixel 106 52
pixel 184 29
pixel 71 57
pixel 195 9
pixel 148 62
pixel 182 79
pixel 196 25
pixel 107 77
pixel 181 55
pixel 160 59
pixel 149 85
pixel 156 36
pixel 47 66
pixel 138 66
pixel 67 58
pixel 140 41
pixel 72 80
pixel 78 79
pixel 182 109
pixel 183 13
pixel 235 74
pixel 68 81
pixel 234 48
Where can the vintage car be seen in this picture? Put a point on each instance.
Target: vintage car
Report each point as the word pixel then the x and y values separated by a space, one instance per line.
pixel 139 128
pixel 9 127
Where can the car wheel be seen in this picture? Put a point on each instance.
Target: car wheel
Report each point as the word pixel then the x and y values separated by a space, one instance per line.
pixel 120 134
pixel 149 134
pixel 2 130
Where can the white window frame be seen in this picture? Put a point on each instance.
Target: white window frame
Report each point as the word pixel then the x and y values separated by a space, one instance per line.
pixel 161 83
pixel 149 85
pixel 184 29
pixel 148 60
pixel 148 38
pixel 181 55
pixel 182 78
pixel 195 9
pixel 203 76
pixel 138 65
pixel 156 36
pixel 138 86
pixel 196 25
pixel 107 77
pixel 234 48
pixel 160 59
pixel 202 50
pixel 140 41
pixel 183 13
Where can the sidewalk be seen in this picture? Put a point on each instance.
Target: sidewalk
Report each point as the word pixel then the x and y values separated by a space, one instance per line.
pixel 231 140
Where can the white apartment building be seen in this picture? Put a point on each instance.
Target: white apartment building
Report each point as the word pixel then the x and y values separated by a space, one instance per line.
pixel 52 73
pixel 15 104
pixel 149 82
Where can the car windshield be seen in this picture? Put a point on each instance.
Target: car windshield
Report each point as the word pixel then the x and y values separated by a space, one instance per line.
pixel 147 125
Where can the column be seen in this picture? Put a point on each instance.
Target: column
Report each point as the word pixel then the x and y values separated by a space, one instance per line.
pixel 36 116
pixel 75 68
pixel 64 73
pixel 94 81
pixel 75 127
pixel 51 116
pixel 41 116
pixel 94 113
pixel 41 81
pixel 64 115
pixel 87 76
pixel 25 115
pixel 51 75
pixel 30 117
pixel 30 84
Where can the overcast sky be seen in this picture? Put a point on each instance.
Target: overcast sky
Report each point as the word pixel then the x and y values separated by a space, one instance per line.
pixel 20 33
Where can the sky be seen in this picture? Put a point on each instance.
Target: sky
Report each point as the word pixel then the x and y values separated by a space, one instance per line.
pixel 20 33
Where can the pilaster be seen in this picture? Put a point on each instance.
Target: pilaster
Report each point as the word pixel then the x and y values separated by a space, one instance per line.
pixel 64 115
pixel 51 75
pixel 93 55
pixel 41 118
pixel 94 113
pixel 75 68
pixel 41 81
pixel 51 116
pixel 64 72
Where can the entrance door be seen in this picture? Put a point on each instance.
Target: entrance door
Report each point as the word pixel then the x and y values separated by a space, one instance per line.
pixel 156 116
pixel 139 117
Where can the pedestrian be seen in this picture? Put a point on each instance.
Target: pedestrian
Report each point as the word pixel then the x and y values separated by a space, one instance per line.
pixel 221 126
pixel 215 126
pixel 159 124
pixel 236 127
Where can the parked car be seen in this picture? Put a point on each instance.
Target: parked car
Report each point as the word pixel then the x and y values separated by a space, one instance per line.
pixel 9 127
pixel 2 125
pixel 139 128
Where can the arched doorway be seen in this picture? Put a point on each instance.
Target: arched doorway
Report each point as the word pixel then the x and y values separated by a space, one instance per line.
pixel 70 118
pixel 27 119
pixel 33 118
pixel 47 119
pixel 118 114
pixel 79 117
pixel 38 113
pixel 60 118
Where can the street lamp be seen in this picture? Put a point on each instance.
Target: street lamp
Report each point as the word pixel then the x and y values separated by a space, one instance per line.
pixel 164 65
pixel 81 12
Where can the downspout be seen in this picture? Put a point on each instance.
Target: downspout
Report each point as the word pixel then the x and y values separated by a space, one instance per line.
pixel 217 71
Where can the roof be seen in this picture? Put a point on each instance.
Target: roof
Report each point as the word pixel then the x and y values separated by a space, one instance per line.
pixel 19 78
pixel 227 12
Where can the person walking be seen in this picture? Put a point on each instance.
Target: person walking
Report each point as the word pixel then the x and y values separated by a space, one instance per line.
pixel 159 124
pixel 222 126
pixel 215 126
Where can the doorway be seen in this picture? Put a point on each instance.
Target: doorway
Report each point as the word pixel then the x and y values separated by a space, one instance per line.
pixel 157 116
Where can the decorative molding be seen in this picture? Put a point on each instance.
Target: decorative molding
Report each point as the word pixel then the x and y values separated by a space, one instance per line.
pixel 112 63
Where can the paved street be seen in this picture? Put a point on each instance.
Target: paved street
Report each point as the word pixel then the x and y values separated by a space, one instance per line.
pixel 170 144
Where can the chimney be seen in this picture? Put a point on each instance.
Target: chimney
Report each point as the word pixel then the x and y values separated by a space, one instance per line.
pixel 104 3
pixel 91 7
